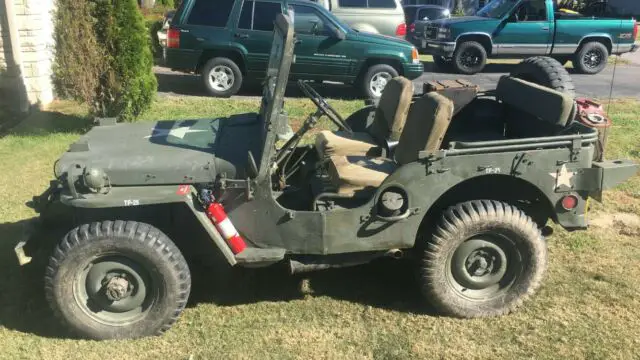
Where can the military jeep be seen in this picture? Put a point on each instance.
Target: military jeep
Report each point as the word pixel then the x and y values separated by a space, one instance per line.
pixel 461 185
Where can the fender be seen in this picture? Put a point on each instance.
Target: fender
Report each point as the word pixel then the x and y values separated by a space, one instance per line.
pixel 118 197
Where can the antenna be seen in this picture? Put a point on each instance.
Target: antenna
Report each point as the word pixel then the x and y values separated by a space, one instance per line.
pixel 613 78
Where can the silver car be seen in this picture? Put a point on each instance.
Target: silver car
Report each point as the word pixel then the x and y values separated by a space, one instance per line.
pixel 385 17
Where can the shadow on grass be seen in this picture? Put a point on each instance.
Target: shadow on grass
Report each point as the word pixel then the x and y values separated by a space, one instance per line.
pixel 43 122
pixel 191 85
pixel 385 283
pixel 22 303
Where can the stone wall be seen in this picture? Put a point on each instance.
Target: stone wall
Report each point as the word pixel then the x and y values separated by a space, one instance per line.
pixel 33 20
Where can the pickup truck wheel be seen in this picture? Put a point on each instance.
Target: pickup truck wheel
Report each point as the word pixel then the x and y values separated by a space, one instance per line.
pixel 591 58
pixel 547 72
pixel 469 58
pixel 222 77
pixel 117 279
pixel 484 259
pixel 376 78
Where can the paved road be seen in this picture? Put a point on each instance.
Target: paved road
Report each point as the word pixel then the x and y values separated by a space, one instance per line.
pixel 626 82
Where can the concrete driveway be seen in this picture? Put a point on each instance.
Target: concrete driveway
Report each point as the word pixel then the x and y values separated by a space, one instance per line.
pixel 624 77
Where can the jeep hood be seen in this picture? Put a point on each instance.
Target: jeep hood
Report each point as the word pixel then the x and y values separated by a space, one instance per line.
pixel 383 40
pixel 166 152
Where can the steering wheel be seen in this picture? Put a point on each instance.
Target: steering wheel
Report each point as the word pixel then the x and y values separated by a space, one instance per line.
pixel 324 106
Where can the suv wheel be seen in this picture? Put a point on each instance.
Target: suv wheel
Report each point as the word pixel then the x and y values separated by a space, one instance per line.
pixel 592 58
pixel 485 258
pixel 222 77
pixel 117 279
pixel 469 58
pixel 376 78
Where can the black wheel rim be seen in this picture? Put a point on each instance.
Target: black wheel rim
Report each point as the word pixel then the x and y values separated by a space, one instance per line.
pixel 470 58
pixel 115 290
pixel 484 266
pixel 593 59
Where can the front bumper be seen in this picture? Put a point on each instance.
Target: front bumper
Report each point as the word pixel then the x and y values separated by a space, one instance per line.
pixel 438 48
pixel 413 71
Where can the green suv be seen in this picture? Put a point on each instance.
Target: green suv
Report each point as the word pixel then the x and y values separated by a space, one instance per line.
pixel 228 42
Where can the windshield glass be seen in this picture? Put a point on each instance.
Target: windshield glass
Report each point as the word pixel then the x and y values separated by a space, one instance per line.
pixel 497 8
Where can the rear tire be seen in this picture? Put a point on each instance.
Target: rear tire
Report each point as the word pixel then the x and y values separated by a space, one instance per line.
pixel 591 58
pixel 221 77
pixel 376 78
pixel 547 72
pixel 485 258
pixel 469 58
pixel 117 279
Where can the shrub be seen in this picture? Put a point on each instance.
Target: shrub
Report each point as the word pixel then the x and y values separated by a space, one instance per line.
pixel 128 86
pixel 79 61
pixel 103 57
pixel 153 27
pixel 166 3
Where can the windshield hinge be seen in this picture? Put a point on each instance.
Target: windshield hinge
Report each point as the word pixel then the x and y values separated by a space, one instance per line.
pixel 226 184
pixel 576 147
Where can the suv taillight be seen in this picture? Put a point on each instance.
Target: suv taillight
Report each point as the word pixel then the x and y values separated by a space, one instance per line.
pixel 173 38
pixel 401 30
pixel 635 31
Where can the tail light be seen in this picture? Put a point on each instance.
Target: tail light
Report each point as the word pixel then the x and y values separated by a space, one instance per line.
pixel 401 30
pixel 635 31
pixel 412 28
pixel 569 202
pixel 173 38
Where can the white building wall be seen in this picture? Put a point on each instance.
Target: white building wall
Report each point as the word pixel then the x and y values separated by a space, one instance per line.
pixel 33 20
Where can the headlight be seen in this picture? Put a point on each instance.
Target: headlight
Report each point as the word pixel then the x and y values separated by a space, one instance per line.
pixel 443 33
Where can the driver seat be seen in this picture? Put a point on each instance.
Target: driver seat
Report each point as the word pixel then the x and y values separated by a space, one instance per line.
pixel 424 130
pixel 389 120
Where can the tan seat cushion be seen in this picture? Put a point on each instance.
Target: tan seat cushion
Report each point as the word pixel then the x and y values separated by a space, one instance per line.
pixel 549 105
pixel 342 143
pixel 426 126
pixel 350 174
pixel 393 107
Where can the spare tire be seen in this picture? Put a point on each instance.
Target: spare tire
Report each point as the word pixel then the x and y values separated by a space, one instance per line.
pixel 545 71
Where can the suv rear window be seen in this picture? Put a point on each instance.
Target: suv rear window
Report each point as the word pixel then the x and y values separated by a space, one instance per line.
pixel 259 15
pixel 380 4
pixel 210 13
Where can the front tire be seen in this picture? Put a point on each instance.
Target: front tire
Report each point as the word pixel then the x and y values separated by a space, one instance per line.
pixel 117 279
pixel 222 77
pixel 591 58
pixel 484 259
pixel 376 78
pixel 470 58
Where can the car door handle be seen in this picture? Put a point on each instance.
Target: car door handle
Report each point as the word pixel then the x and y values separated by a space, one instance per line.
pixel 242 36
pixel 545 29
pixel 298 41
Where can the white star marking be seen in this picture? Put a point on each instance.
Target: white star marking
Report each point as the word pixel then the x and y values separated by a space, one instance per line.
pixel 177 132
pixel 563 177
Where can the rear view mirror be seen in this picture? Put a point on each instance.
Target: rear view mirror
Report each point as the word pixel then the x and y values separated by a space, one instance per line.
pixel 426 18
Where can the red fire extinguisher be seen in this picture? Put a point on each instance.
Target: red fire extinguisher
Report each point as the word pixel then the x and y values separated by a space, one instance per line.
pixel 217 215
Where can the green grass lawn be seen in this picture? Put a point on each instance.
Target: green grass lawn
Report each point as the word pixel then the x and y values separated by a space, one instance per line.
pixel 587 307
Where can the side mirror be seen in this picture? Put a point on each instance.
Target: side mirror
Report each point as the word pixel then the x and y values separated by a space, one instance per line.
pixel 339 34
pixel 252 168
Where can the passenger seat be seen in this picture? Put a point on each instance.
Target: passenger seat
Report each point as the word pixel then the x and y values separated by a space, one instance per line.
pixel 426 125
pixel 388 122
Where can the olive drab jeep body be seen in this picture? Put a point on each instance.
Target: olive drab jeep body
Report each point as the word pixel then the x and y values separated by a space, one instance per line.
pixel 460 181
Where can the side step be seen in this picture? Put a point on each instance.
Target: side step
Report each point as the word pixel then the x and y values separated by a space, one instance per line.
pixel 257 257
